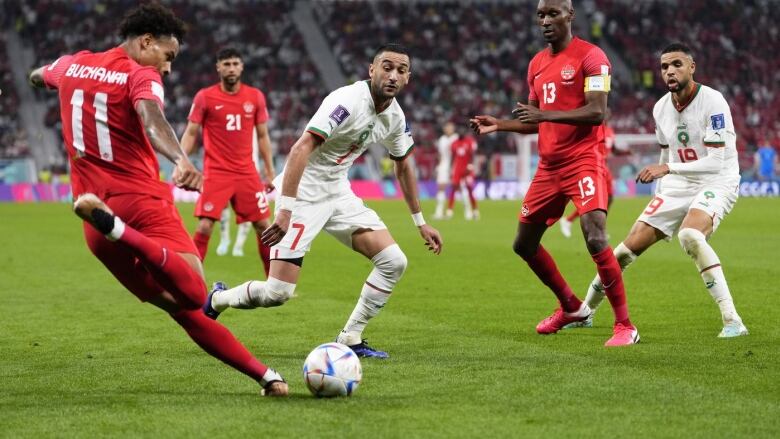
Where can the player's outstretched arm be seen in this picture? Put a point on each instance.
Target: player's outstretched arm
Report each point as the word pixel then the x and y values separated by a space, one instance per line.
pixel 484 124
pixel 36 78
pixel 164 141
pixel 404 172
pixel 293 171
pixel 189 140
pixel 592 113
pixel 264 148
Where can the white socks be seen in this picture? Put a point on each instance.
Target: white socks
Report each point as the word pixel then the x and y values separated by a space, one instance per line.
pixel 224 224
pixel 254 294
pixel 596 293
pixel 389 266
pixel 440 199
pixel 695 244
pixel 241 235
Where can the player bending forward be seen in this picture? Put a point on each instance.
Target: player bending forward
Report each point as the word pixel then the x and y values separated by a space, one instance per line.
pixel 316 195
pixel 698 181
pixel 111 104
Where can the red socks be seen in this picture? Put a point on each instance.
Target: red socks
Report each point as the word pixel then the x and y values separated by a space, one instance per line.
pixel 265 255
pixel 543 265
pixel 202 243
pixel 612 278
pixel 215 339
pixel 167 268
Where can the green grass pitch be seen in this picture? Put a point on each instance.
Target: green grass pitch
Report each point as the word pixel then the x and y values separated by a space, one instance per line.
pixel 80 357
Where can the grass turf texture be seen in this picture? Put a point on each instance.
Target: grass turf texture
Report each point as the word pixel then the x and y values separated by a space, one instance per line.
pixel 81 357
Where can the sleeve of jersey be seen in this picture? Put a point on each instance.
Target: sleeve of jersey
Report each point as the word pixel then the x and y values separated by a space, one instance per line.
pixel 198 109
pixel 711 164
pixel 597 71
pixel 146 84
pixel 401 142
pixel 719 124
pixel 530 79
pixel 333 113
pixel 53 72
pixel 261 115
pixel 659 135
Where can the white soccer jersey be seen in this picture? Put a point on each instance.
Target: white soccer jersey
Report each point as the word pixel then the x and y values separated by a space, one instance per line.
pixel 445 157
pixel 348 122
pixel 706 120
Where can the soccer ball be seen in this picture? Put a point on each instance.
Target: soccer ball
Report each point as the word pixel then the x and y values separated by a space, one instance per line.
pixel 332 369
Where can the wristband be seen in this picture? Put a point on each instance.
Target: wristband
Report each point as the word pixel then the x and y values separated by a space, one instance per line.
pixel 286 203
pixel 418 219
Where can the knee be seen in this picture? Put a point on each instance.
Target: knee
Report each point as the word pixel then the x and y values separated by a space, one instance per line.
pixel 690 239
pixel 596 243
pixel 205 227
pixel 523 250
pixel 277 292
pixel 391 262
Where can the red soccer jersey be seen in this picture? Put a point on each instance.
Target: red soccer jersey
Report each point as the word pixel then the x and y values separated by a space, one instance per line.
pixel 558 83
pixel 463 149
pixel 108 149
pixel 228 122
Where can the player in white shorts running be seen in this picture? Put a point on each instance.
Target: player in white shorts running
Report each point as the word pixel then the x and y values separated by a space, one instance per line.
pixel 698 181
pixel 443 173
pixel 316 195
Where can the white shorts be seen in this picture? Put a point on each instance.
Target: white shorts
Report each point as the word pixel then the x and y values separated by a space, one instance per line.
pixel 442 174
pixel 668 208
pixel 340 217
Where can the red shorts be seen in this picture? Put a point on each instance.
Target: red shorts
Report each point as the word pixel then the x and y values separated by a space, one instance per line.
pixel 466 177
pixel 582 183
pixel 245 193
pixel 157 219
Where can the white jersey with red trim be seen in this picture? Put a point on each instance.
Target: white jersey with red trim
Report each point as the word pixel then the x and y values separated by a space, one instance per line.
pixel 704 122
pixel 348 123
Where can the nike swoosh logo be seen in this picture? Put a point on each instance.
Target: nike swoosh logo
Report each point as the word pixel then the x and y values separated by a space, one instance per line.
pixel 218 107
pixel 584 202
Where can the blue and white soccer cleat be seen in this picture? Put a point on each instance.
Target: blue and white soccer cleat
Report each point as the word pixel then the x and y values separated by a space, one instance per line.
pixel 207 308
pixel 733 329
pixel 363 350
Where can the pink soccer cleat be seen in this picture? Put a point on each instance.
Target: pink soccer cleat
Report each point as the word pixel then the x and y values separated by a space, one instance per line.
pixel 623 335
pixel 559 319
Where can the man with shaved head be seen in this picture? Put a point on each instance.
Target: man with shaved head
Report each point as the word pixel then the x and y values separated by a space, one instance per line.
pixel 569 82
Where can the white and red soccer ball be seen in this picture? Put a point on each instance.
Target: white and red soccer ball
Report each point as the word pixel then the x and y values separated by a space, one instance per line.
pixel 332 369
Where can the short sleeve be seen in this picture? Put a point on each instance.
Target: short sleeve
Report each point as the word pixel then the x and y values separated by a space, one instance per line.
pixel 333 112
pixel 719 123
pixel 145 84
pixel 261 115
pixel 400 142
pixel 659 135
pixel 531 91
pixel 198 109
pixel 53 73
pixel 597 71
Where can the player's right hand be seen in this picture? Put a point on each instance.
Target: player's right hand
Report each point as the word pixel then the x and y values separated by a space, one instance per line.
pixel 186 176
pixel 484 124
pixel 274 234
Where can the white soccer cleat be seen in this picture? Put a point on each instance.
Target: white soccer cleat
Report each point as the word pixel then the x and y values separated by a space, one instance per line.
pixel 238 252
pixel 565 227
pixel 468 215
pixel 448 215
pixel 476 215
pixel 733 329
pixel 223 247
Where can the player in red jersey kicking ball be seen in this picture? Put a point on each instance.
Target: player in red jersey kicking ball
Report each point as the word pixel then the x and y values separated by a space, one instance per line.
pixel 231 114
pixel 111 104
pixel 569 83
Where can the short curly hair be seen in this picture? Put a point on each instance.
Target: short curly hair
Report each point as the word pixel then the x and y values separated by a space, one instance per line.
pixel 152 18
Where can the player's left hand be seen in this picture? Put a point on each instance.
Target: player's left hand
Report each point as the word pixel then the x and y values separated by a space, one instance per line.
pixel 652 172
pixel 528 113
pixel 186 176
pixel 432 238
pixel 274 234
pixel 269 187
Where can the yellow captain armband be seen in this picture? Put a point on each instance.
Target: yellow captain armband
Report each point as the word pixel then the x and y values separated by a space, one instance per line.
pixel 598 83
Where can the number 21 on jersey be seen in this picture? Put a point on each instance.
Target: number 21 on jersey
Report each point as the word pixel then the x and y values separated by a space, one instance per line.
pixel 233 122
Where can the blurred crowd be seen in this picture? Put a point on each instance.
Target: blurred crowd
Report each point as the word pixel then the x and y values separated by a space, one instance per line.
pixel 468 57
